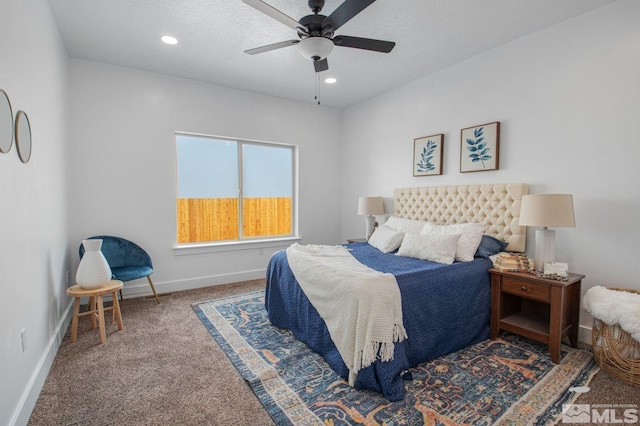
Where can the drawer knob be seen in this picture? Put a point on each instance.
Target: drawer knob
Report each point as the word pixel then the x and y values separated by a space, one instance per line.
pixel 523 288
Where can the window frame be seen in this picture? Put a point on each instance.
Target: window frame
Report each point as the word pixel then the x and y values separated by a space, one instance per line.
pixel 242 243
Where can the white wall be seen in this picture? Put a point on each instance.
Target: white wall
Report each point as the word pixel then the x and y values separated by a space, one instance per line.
pixel 567 100
pixel 123 164
pixel 33 214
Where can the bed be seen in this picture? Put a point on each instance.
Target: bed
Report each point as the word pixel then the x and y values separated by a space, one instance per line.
pixel 444 307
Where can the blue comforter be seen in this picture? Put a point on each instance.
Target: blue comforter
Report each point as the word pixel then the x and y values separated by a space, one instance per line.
pixel 444 308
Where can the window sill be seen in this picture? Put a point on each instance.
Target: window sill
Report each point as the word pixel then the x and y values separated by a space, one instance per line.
pixel 199 248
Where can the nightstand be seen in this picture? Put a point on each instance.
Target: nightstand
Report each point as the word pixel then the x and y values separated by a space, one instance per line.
pixel 536 308
pixel 356 240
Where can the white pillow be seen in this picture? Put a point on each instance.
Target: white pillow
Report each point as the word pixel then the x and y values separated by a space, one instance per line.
pixel 471 235
pixel 434 247
pixel 386 239
pixel 406 226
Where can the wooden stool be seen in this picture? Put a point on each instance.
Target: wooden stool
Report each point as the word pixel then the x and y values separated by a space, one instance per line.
pixel 96 307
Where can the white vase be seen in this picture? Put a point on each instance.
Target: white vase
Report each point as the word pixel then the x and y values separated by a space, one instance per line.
pixel 93 271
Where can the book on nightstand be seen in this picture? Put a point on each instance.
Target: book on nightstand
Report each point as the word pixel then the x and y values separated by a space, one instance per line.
pixel 512 262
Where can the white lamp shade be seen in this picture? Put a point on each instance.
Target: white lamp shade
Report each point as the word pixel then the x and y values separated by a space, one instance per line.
pixel 315 47
pixel 553 210
pixel 370 206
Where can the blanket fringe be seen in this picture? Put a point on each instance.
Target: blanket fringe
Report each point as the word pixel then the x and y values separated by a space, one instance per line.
pixel 373 351
pixel 399 333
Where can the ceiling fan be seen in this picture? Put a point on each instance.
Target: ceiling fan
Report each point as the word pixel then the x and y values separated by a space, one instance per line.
pixel 316 31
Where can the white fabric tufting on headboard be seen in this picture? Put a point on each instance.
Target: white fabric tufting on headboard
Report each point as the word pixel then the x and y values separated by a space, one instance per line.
pixel 496 205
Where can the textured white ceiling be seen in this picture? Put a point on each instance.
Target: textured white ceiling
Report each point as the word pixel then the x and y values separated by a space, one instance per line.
pixel 213 34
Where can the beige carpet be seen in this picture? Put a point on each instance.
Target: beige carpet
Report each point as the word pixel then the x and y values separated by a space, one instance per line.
pixel 165 369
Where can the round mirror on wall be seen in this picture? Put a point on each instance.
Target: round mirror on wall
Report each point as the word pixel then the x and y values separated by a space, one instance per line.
pixel 6 122
pixel 23 136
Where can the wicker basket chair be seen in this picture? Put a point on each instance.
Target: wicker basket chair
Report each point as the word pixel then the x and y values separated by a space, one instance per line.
pixel 615 351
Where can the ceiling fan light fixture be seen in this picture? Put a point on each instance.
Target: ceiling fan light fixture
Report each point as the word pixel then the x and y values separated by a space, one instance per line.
pixel 315 48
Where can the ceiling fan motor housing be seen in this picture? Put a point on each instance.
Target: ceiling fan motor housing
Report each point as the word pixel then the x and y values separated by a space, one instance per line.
pixel 314 24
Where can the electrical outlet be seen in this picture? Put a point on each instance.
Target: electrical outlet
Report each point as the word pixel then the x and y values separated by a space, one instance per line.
pixel 23 338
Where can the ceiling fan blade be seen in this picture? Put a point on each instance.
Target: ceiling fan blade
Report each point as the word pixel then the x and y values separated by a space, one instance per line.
pixel 321 65
pixel 270 47
pixel 364 43
pixel 275 14
pixel 344 13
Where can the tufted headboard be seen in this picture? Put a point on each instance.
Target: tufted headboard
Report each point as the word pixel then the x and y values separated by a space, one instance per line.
pixel 496 205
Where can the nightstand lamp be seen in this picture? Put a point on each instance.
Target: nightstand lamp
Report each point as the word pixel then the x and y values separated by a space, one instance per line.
pixel 370 206
pixel 554 210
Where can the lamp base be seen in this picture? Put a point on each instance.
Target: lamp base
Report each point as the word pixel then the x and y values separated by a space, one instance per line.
pixel 369 226
pixel 545 248
pixel 373 229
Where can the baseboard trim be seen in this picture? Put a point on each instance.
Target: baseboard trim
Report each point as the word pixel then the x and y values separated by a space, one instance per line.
pixel 30 396
pixel 141 288
pixel 584 334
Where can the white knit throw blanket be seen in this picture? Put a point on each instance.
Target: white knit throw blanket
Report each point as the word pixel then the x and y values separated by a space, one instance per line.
pixel 361 306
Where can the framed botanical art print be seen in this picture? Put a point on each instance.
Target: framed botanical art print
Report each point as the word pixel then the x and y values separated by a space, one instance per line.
pixel 427 155
pixel 480 148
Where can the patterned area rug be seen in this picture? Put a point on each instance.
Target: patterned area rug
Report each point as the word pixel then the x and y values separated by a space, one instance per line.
pixel 508 381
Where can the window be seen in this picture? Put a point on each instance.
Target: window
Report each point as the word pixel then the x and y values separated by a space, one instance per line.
pixel 232 190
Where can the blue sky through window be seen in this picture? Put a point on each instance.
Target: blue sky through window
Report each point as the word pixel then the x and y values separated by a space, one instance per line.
pixel 208 168
pixel 267 171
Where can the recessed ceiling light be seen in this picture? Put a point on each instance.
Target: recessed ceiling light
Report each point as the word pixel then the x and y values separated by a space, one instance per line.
pixel 169 40
pixel 330 80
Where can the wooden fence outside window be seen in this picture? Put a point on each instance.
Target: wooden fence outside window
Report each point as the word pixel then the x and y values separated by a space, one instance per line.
pixel 216 219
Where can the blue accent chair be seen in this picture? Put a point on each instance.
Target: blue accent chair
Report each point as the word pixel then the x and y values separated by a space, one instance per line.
pixel 126 259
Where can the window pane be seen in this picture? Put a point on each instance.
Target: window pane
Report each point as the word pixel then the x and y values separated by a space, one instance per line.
pixel 207 168
pixel 207 189
pixel 268 187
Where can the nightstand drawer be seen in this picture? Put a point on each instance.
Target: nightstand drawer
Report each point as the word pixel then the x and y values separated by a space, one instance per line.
pixel 529 290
